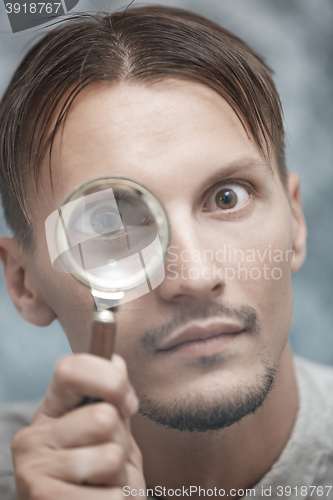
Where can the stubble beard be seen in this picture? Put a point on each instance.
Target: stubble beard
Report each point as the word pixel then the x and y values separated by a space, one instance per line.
pixel 196 413
pixel 204 411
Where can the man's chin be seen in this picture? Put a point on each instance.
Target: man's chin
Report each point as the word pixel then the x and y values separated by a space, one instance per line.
pixel 207 411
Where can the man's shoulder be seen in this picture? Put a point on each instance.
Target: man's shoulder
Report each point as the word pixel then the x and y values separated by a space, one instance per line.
pixel 314 368
pixel 13 417
pixel 317 371
pixel 315 383
pixel 317 376
pixel 307 458
pixel 316 412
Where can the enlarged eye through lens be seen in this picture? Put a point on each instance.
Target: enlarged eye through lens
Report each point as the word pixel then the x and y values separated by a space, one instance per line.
pixel 104 221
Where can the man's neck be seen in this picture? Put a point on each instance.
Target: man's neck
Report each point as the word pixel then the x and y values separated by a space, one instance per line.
pixel 235 457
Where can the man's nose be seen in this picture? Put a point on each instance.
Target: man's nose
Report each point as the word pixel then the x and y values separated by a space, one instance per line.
pixel 190 270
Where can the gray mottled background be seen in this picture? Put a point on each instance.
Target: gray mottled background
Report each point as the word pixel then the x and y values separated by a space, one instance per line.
pixel 296 38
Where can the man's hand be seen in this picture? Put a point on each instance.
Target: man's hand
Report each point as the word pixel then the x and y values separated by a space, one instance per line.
pixel 80 453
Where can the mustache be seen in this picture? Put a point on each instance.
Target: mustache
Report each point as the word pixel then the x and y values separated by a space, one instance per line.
pixel 186 312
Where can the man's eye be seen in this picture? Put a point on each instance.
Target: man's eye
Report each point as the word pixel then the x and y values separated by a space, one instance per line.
pixel 104 222
pixel 228 197
pixel 97 221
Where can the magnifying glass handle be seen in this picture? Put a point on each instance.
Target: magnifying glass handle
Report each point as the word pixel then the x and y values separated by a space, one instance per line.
pixel 103 339
pixel 104 333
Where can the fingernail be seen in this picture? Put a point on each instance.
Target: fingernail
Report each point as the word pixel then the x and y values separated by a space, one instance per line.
pixel 131 404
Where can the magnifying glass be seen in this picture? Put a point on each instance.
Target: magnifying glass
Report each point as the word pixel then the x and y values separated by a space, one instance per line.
pixel 112 235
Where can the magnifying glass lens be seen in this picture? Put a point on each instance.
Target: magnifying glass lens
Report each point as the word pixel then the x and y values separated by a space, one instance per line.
pixel 112 235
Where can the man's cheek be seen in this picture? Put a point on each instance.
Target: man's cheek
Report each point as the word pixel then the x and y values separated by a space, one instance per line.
pixel 260 275
pixel 73 305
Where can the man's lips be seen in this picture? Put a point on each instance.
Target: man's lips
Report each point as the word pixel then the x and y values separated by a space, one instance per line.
pixel 200 331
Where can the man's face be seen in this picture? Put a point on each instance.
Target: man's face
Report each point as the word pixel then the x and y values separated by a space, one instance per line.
pixel 186 144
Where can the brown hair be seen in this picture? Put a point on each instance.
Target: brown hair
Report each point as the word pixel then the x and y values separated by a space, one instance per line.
pixel 139 44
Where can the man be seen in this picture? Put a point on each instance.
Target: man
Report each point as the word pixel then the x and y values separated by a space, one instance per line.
pixel 203 396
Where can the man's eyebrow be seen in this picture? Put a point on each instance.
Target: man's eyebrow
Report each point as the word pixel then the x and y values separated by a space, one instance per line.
pixel 242 163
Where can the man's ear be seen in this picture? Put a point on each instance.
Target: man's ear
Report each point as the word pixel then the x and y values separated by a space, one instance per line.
pixel 299 224
pixel 21 284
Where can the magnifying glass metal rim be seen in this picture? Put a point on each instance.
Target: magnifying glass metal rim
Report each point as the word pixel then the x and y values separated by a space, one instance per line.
pixel 152 201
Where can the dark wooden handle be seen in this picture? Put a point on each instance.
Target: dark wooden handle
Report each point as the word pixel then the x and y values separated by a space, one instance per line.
pixel 103 334
pixel 102 342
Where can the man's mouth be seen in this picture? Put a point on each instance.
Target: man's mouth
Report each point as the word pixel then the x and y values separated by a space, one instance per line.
pixel 200 339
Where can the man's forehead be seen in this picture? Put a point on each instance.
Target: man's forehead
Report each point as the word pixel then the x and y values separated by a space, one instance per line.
pixel 158 108
pixel 148 131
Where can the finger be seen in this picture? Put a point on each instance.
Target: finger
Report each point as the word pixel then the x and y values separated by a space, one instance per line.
pixel 89 425
pixel 98 465
pixel 135 455
pixel 80 375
